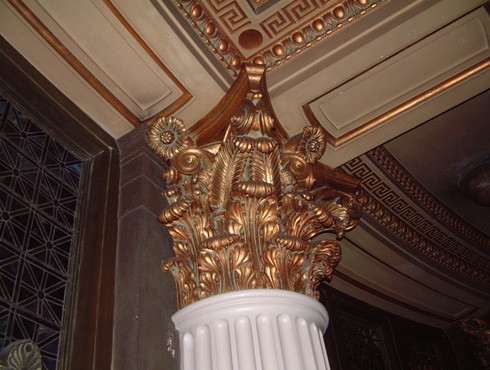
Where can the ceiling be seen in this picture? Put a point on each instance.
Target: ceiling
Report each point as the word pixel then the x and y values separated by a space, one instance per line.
pixel 400 86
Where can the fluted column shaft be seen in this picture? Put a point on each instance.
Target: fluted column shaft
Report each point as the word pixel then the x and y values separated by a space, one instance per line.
pixel 262 329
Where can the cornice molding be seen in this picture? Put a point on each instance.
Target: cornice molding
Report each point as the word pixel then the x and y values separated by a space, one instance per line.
pixel 385 159
pixel 306 24
pixel 389 209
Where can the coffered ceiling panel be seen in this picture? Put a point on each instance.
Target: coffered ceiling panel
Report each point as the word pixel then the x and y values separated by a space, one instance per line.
pixel 397 81
pixel 269 32
pixel 369 91
pixel 37 51
pixel 110 53
pixel 92 52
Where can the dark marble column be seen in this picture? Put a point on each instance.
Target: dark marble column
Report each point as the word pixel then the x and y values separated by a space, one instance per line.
pixel 145 299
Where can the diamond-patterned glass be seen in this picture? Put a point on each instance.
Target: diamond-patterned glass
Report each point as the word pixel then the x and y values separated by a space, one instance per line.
pixel 39 186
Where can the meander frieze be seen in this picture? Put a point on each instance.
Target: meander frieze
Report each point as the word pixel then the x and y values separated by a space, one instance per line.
pixel 387 206
pixel 237 37
pixel 243 211
pixel 397 172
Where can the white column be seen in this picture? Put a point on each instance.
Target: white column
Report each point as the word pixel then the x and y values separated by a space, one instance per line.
pixel 260 329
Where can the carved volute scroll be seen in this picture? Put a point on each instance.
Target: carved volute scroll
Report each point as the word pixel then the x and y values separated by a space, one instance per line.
pixel 21 355
pixel 479 333
pixel 244 205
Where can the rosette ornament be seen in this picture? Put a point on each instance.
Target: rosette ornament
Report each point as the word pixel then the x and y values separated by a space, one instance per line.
pixel 312 144
pixel 244 205
pixel 168 136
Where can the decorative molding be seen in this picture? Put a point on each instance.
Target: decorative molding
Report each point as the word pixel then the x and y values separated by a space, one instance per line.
pixel 307 31
pixel 21 355
pixel 212 35
pixel 244 210
pixel 186 95
pixel 88 76
pixel 292 29
pixel 399 109
pixel 72 60
pixel 230 13
pixel 381 202
pixel 398 173
pixel 479 332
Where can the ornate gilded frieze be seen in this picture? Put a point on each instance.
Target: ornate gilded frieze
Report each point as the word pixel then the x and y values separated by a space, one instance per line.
pixel 244 206
pixel 237 37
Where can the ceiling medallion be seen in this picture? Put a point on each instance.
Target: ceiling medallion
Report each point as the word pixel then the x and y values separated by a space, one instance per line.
pixel 245 207
pixel 236 38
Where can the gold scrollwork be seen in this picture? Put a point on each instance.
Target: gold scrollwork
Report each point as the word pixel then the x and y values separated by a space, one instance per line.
pixel 244 215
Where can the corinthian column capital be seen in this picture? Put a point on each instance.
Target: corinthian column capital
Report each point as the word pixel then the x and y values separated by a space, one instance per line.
pixel 244 204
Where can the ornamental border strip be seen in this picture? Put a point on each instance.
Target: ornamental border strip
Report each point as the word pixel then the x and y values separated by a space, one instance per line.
pixel 460 259
pixel 294 42
pixel 397 172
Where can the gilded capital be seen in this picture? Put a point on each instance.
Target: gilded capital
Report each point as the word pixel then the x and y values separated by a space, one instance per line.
pixel 244 204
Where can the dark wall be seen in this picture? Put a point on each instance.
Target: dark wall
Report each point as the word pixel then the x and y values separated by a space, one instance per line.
pixel 145 296
pixel 361 336
pixel 88 319
pixel 122 301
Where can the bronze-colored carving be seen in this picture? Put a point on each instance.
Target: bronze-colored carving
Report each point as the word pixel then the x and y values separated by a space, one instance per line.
pixel 290 30
pixel 244 211
pixel 479 333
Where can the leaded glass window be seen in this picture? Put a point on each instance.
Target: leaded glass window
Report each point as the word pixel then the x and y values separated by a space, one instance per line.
pixel 362 343
pixel 420 354
pixel 39 187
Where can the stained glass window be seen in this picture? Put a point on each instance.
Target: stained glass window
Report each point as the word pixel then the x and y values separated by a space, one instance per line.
pixel 39 187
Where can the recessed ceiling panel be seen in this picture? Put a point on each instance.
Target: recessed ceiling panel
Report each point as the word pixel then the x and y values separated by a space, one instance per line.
pixel 403 77
pixel 100 39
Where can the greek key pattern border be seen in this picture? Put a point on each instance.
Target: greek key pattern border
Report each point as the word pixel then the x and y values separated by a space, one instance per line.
pixel 398 173
pixel 290 31
pixel 397 215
